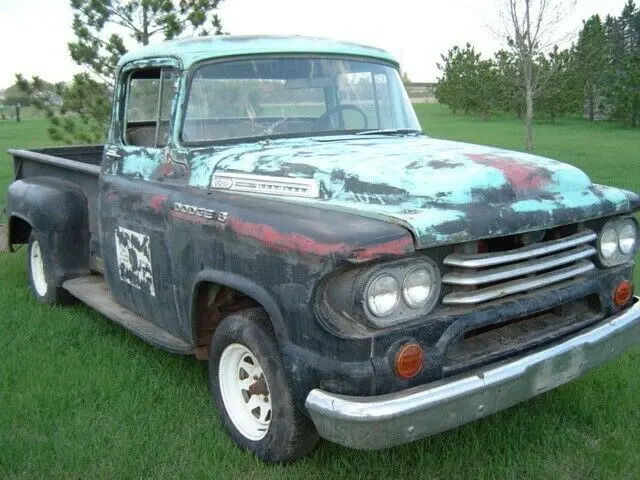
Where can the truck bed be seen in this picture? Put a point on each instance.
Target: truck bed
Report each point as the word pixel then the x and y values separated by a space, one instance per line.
pixel 85 154
pixel 79 165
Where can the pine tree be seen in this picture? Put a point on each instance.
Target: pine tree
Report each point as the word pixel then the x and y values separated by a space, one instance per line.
pixel 591 61
pixel 623 80
pixel 468 82
pixel 85 111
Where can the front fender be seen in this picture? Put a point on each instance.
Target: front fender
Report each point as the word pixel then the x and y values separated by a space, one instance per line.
pixel 246 286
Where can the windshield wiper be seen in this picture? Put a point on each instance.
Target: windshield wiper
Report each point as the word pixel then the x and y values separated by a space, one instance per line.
pixel 391 131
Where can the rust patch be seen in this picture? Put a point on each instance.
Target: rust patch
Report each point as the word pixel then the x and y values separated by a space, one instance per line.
pixel 188 217
pixel 259 387
pixel 212 306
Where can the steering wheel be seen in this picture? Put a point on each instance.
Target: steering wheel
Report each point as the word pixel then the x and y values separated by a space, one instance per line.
pixel 338 108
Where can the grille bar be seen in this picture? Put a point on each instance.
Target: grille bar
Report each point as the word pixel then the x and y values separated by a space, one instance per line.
pixel 525 253
pixel 517 286
pixel 518 269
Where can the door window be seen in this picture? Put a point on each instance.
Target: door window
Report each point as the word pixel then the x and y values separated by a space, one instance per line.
pixel 150 95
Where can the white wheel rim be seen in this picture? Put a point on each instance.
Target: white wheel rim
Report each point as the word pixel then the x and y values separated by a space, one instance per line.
pixel 239 374
pixel 37 269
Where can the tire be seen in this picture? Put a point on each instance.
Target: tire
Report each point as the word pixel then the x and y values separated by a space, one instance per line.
pixel 42 281
pixel 244 349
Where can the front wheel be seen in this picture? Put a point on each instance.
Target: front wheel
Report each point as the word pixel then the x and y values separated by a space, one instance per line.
pixel 251 391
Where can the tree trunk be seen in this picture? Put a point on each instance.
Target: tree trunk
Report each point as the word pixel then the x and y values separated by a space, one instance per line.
pixel 591 103
pixel 145 26
pixel 18 113
pixel 528 121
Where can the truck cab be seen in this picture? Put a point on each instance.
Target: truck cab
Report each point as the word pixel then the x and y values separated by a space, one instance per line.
pixel 271 205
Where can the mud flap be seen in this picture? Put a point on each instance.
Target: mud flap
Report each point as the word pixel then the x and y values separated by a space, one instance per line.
pixel 4 238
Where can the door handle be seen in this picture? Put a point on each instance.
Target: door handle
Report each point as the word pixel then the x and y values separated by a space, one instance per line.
pixel 112 154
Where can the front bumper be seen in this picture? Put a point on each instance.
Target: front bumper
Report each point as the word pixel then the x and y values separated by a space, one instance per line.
pixel 396 418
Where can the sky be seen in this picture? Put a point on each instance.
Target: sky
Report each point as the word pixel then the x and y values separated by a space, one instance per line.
pixel 34 33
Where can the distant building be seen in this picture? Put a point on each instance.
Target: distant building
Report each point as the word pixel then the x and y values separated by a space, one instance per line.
pixel 421 92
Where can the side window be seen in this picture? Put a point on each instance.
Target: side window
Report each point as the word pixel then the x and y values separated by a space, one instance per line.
pixel 150 95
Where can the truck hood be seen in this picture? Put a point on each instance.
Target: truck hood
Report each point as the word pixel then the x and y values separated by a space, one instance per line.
pixel 442 191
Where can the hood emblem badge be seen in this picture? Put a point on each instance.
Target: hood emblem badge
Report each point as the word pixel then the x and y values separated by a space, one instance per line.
pixel 266 185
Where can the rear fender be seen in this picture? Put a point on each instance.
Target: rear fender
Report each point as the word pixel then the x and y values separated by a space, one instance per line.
pixel 58 211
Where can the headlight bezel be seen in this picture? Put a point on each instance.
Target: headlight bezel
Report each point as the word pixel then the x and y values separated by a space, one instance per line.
pixel 402 312
pixel 618 256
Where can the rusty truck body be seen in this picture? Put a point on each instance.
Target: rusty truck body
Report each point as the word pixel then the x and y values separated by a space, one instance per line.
pixel 272 205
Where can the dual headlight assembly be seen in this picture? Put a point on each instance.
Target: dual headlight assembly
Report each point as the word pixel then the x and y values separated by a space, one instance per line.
pixel 401 292
pixel 618 241
pixel 418 288
pixel 382 296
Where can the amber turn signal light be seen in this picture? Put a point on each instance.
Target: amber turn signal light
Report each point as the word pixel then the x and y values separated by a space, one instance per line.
pixel 623 293
pixel 409 360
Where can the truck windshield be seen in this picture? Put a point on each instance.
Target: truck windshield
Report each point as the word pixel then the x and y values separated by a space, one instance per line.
pixel 289 97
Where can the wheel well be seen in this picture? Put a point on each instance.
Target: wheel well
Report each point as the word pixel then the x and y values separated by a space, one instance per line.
pixel 19 230
pixel 213 302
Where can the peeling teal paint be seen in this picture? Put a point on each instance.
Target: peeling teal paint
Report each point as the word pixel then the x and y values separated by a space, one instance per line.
pixel 619 197
pixel 444 192
pixel 141 162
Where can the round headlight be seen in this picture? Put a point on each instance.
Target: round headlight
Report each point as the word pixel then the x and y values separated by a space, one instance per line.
pixel 418 286
pixel 608 242
pixel 383 295
pixel 628 237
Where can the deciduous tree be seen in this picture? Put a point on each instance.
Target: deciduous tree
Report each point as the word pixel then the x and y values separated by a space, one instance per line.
pixel 532 28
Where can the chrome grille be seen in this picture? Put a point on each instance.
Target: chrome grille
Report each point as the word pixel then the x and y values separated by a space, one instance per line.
pixel 498 274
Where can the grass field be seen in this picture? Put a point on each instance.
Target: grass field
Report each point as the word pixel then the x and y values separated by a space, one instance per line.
pixel 82 398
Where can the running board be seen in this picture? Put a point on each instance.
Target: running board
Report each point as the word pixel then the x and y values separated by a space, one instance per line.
pixel 93 291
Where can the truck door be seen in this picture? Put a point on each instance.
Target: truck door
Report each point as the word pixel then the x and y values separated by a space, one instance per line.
pixel 134 198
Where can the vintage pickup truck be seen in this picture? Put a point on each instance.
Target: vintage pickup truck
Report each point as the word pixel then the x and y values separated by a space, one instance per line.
pixel 271 204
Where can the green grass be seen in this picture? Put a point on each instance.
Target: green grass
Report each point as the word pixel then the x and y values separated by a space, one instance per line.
pixel 82 398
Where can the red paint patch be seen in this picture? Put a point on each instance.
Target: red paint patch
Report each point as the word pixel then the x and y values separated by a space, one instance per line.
pixel 520 175
pixel 397 247
pixel 166 169
pixel 157 201
pixel 283 242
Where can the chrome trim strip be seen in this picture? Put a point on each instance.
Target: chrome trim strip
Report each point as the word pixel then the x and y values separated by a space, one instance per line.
pixel 518 269
pixel 265 184
pixel 387 420
pixel 517 286
pixel 489 259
